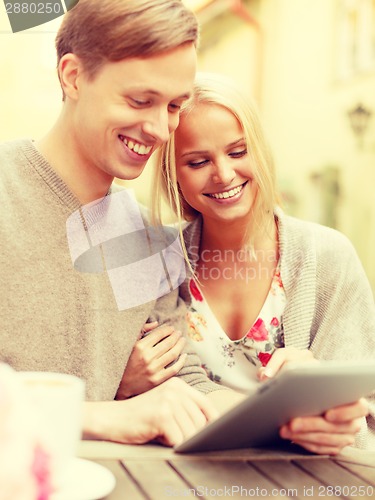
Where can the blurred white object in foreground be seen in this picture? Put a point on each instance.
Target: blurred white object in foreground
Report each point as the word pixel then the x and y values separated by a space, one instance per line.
pixel 24 462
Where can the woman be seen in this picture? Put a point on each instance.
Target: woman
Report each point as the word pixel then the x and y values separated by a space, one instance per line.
pixel 267 288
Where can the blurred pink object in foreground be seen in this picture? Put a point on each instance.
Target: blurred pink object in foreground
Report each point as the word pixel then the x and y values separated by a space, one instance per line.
pixel 24 461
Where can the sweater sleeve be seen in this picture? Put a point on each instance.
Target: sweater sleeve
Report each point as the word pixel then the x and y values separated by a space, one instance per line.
pixel 171 309
pixel 344 321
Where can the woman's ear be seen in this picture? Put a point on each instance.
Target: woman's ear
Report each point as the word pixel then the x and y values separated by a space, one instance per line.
pixel 69 69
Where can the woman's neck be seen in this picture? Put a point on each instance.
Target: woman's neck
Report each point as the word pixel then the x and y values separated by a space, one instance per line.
pixel 237 235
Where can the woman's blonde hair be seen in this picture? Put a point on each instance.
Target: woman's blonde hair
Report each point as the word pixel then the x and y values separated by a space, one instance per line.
pixel 220 91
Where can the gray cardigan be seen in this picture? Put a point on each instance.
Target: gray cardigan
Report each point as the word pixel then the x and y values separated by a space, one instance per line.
pixel 330 306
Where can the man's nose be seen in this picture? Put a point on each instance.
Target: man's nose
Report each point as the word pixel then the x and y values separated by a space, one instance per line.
pixel 159 126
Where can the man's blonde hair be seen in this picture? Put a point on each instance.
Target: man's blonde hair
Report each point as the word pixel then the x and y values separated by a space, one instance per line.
pixel 100 31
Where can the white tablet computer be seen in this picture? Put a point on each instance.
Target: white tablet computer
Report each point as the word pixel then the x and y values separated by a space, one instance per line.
pixel 298 390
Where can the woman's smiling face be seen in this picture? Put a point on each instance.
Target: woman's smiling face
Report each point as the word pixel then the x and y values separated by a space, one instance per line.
pixel 213 167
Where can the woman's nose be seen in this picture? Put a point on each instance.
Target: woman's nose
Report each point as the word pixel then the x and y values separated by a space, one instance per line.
pixel 223 173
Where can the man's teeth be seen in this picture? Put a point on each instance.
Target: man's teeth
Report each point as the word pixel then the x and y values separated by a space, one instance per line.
pixel 227 194
pixel 140 149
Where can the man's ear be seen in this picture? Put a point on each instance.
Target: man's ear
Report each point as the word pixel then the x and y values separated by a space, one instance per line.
pixel 69 69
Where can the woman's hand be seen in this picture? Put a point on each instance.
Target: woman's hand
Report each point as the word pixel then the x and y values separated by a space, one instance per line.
pixel 283 356
pixel 150 361
pixel 330 433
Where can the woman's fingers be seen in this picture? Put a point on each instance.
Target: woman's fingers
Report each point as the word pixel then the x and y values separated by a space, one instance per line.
pixel 166 373
pixel 166 350
pixel 160 348
pixel 172 344
pixel 322 435
pixel 159 368
pixel 322 449
pixel 283 356
pixel 148 364
pixel 147 327
pixel 161 341
pixel 154 336
pixel 348 412
pixel 321 442
pixel 171 355
pixel 312 425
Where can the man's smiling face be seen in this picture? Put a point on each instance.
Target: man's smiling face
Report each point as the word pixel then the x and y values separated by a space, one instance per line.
pixel 129 109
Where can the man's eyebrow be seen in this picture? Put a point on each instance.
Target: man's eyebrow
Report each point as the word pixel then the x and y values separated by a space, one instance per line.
pixel 158 94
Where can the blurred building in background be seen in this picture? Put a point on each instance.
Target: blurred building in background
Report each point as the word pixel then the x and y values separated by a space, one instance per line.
pixel 310 66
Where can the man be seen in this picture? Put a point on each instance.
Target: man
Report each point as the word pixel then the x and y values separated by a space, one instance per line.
pixel 125 68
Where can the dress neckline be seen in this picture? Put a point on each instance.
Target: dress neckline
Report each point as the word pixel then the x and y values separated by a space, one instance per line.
pixel 275 282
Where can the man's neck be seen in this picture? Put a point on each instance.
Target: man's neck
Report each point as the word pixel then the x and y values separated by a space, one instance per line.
pixel 59 150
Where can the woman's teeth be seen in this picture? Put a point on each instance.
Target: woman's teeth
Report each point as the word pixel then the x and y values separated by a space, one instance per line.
pixel 227 194
pixel 140 149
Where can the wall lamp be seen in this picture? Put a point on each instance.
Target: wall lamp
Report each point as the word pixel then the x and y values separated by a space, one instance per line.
pixel 359 119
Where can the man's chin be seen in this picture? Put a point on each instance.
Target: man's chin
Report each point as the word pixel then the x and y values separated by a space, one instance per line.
pixel 130 172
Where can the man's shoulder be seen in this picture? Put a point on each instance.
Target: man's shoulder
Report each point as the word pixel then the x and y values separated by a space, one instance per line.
pixel 13 150
pixel 8 147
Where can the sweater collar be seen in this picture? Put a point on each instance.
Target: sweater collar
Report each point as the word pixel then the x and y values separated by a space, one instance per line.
pixel 37 161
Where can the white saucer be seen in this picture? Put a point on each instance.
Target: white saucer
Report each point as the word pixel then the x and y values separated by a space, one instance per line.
pixel 85 480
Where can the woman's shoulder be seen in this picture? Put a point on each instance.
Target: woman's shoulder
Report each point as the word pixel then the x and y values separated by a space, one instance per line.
pixel 192 233
pixel 326 253
pixel 189 227
pixel 311 234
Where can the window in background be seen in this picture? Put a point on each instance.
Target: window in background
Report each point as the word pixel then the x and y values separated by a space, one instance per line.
pixel 356 37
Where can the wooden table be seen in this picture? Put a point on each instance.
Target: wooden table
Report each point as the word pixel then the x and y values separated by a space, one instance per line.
pixel 157 473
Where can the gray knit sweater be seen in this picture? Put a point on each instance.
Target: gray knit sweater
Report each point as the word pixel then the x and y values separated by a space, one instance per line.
pixel 53 317
pixel 330 306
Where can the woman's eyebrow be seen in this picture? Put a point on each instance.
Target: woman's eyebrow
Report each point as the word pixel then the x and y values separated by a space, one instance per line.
pixel 193 153
pixel 202 152
pixel 242 139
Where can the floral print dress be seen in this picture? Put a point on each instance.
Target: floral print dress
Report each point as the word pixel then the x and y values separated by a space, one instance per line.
pixel 234 363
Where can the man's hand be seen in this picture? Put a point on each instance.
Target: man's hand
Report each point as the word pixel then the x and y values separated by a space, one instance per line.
pixel 170 413
pixel 330 433
pixel 150 361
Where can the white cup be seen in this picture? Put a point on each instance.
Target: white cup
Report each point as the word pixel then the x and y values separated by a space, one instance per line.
pixel 58 402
